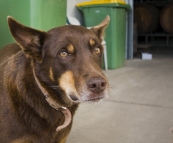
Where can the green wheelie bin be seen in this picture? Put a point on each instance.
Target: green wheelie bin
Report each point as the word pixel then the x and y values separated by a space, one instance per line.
pixel 94 12
pixel 39 14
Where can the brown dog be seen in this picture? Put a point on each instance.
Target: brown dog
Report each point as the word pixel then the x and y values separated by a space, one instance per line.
pixel 43 79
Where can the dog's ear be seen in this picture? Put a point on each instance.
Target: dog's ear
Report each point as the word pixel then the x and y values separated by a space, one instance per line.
pixel 30 40
pixel 99 29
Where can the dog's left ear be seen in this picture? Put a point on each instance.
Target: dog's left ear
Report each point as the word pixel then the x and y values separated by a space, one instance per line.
pixel 30 40
pixel 99 29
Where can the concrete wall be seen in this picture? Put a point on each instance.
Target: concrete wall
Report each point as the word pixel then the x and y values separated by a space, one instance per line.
pixel 72 9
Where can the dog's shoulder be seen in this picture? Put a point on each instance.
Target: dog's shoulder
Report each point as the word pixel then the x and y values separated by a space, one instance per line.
pixel 8 50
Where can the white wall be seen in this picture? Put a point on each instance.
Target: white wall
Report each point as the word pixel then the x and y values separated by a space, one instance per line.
pixel 73 11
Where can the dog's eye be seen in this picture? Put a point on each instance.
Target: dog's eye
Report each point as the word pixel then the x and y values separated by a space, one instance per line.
pixel 97 50
pixel 63 54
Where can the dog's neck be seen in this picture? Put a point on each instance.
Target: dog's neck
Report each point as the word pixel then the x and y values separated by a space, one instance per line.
pixel 51 102
pixel 54 105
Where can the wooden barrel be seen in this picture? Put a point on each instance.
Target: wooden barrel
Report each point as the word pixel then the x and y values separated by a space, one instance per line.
pixel 166 18
pixel 146 17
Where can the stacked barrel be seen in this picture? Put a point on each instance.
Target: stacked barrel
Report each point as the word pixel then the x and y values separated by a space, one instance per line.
pixel 149 17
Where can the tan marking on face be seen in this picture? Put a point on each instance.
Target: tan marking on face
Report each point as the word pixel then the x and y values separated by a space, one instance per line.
pixel 67 83
pixel 51 74
pixel 70 48
pixel 92 42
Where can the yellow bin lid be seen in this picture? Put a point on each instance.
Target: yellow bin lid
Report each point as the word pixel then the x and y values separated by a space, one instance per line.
pixel 96 2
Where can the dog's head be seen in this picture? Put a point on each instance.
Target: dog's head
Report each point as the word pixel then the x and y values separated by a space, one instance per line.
pixel 66 60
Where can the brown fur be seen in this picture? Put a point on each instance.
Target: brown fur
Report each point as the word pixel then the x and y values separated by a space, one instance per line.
pixel 25 116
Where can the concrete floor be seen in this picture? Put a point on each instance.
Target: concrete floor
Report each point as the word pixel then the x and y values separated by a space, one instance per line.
pixel 138 110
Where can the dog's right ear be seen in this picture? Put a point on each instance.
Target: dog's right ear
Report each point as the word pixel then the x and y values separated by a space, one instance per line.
pixel 30 40
pixel 99 29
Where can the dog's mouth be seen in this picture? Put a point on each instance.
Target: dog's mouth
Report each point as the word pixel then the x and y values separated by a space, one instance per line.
pixel 73 97
pixel 97 99
pixel 91 98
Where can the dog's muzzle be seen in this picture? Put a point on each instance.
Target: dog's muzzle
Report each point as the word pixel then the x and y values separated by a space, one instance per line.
pixel 97 85
pixel 94 90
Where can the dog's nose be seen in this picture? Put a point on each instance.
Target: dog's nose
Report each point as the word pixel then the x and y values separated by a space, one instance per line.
pixel 97 84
